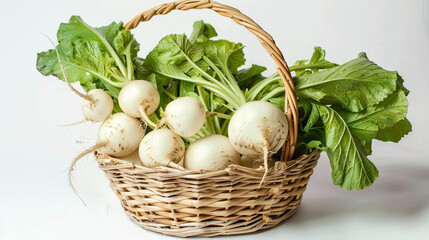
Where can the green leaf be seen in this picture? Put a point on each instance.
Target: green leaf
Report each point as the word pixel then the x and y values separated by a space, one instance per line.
pixel 124 43
pixel 187 89
pixel 173 57
pixel 368 122
pixel 177 58
pixel 249 76
pixel 400 85
pixel 395 132
pixel 176 49
pixel 202 29
pixel 83 61
pixel 314 144
pixel 315 64
pixel 279 102
pixel 47 64
pixel 366 146
pixel 354 85
pixel 312 119
pixel 76 29
pixel 351 169
pixel 93 56
pixel 225 54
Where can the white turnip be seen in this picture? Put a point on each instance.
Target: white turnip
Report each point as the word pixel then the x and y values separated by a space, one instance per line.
pixel 121 135
pixel 213 152
pixel 99 107
pixel 118 136
pixel 185 116
pixel 139 98
pixel 258 128
pixel 161 147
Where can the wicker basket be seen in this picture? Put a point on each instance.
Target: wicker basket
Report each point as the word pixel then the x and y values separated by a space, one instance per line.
pixel 189 203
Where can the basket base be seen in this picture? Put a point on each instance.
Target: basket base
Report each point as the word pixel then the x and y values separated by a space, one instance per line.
pixel 212 228
pixel 191 203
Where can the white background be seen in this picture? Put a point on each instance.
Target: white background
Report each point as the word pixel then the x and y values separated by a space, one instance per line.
pixel 36 202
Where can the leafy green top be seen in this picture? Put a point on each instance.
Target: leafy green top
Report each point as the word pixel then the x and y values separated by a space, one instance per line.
pixel 343 108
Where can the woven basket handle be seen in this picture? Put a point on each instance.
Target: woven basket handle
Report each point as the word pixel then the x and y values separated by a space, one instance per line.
pixel 266 40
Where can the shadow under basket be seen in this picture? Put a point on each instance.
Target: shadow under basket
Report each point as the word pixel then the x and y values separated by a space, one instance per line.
pixel 187 203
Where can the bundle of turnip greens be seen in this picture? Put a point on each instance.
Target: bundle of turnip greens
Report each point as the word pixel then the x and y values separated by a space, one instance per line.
pixel 343 108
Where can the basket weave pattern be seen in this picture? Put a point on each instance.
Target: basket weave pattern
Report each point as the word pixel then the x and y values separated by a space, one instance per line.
pixel 233 201
pixel 197 203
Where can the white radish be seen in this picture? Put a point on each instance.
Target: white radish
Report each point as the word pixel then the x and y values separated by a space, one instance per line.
pixel 213 152
pixel 121 135
pixel 185 116
pixel 97 105
pixel 161 147
pixel 139 98
pixel 258 128
pixel 118 136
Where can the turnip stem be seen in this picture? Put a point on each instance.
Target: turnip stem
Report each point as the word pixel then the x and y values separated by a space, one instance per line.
pixel 89 150
pixel 169 94
pixel 146 119
pixel 86 97
pixel 130 66
pixel 217 114
pixel 273 93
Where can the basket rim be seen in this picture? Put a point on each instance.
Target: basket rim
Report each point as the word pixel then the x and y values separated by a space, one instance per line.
pixel 106 160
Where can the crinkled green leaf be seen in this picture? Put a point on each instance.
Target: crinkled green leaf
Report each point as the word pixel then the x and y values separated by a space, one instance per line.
pixel 176 57
pixel 395 132
pixel 124 43
pixel 93 56
pixel 226 55
pixel 315 64
pixel 76 29
pixel 354 85
pixel 176 49
pixel 366 123
pixel 83 61
pixel 47 64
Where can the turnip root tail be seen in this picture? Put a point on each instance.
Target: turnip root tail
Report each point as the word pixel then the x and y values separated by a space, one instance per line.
pixel 265 149
pixel 86 97
pixel 146 119
pixel 73 124
pixel 175 165
pixel 77 158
